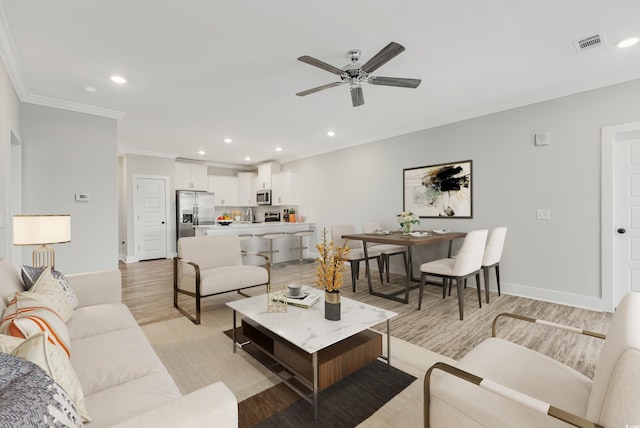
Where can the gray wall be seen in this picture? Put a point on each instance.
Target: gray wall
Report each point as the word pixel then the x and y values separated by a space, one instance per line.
pixel 65 153
pixel 556 260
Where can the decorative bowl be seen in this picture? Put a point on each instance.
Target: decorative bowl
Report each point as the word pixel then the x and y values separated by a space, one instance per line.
pixel 225 222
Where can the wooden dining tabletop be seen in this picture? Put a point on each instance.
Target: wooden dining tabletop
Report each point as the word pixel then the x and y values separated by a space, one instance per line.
pixel 398 238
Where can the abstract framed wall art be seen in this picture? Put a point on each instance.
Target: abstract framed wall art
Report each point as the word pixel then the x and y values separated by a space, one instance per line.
pixel 442 190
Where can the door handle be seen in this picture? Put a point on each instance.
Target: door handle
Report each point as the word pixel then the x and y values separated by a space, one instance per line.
pixel 621 231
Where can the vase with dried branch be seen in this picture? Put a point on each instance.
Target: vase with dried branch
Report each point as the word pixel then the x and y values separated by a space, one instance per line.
pixel 331 274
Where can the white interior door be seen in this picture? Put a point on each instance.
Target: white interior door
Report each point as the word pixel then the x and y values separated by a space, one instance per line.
pixel 626 217
pixel 620 212
pixel 151 218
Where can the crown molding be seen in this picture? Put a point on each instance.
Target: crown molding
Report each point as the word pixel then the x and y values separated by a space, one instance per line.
pixel 150 153
pixel 73 106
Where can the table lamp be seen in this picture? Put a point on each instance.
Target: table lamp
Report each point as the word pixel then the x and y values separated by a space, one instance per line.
pixel 42 230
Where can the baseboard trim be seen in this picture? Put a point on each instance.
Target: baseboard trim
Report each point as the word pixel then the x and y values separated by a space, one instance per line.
pixel 552 296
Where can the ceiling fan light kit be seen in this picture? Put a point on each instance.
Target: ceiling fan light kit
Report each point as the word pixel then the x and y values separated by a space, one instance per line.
pixel 355 74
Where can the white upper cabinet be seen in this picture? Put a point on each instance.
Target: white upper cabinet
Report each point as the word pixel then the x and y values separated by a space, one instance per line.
pixel 191 176
pixel 285 188
pixel 226 190
pixel 247 187
pixel 265 171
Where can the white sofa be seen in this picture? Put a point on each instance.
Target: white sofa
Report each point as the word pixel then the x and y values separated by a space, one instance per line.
pixel 124 382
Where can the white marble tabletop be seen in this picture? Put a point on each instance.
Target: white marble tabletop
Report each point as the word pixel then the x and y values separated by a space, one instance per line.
pixel 307 328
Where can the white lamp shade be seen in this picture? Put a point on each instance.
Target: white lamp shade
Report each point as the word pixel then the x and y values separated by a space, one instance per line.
pixel 41 229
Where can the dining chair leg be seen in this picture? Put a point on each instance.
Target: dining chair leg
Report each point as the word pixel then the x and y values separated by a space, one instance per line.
pixel 485 271
pixel 460 297
pixel 448 282
pixel 380 268
pixel 422 277
pixel 445 281
pixel 478 288
pixel 354 274
pixel 498 277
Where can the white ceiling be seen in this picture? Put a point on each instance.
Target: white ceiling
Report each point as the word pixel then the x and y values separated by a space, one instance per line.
pixel 202 70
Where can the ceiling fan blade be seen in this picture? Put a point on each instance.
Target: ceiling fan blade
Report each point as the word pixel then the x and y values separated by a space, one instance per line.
pixel 394 81
pixel 385 55
pixel 318 89
pixel 323 65
pixel 357 97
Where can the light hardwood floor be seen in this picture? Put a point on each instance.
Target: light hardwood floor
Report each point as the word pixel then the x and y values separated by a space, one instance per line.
pixel 148 291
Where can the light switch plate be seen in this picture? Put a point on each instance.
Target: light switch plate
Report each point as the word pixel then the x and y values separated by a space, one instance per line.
pixel 82 197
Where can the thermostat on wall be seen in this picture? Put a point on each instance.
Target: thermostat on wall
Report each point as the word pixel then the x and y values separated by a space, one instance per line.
pixel 542 138
pixel 82 197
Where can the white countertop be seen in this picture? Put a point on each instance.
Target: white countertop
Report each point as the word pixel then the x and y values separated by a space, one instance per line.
pixel 241 225
pixel 307 328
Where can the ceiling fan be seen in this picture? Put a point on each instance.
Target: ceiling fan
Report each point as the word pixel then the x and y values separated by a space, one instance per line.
pixel 354 73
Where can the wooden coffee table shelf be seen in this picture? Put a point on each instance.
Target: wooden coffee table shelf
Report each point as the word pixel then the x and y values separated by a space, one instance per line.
pixel 335 362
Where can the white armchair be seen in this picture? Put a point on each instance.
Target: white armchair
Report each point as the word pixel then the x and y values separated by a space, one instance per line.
pixel 210 265
pixel 501 384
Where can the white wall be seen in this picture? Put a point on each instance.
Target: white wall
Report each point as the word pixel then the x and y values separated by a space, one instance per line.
pixel 65 153
pixel 9 123
pixel 556 260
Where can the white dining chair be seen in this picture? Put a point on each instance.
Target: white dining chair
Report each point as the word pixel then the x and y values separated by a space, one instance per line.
pixel 356 253
pixel 467 263
pixel 386 250
pixel 492 255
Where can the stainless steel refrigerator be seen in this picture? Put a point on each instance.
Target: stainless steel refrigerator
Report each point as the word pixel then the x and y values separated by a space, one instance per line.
pixel 193 209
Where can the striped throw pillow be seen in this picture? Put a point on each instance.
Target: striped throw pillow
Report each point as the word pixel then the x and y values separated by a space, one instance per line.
pixel 27 316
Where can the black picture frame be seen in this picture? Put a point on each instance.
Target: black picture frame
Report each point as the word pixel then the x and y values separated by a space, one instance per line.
pixel 443 190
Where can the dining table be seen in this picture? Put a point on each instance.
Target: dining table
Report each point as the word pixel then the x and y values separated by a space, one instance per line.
pixel 416 238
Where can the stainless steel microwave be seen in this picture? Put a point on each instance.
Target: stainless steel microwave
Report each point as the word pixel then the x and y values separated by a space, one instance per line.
pixel 263 197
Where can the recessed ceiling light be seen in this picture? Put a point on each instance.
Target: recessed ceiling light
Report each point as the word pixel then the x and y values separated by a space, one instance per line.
pixel 202 152
pixel 628 42
pixel 247 158
pixel 228 140
pixel 278 149
pixel 118 79
pixel 331 133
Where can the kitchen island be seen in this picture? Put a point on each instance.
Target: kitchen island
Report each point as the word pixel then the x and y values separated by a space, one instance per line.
pixel 256 244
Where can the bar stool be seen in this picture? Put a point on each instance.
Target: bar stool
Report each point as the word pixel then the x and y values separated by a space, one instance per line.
pixel 301 261
pixel 270 237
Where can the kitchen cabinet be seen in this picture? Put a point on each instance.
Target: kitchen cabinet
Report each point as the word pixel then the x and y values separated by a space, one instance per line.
pixel 285 188
pixel 226 190
pixel 247 187
pixel 265 171
pixel 191 176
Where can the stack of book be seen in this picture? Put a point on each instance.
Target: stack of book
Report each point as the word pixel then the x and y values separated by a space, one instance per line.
pixel 309 300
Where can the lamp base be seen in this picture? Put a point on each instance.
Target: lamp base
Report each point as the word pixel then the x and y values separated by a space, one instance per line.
pixel 43 256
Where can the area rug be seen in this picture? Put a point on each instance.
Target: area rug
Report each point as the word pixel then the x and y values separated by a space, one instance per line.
pixel 344 404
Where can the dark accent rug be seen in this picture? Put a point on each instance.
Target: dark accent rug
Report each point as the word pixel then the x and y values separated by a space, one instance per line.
pixel 344 404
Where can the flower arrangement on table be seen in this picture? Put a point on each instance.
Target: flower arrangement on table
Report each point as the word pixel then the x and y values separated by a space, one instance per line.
pixel 331 267
pixel 406 219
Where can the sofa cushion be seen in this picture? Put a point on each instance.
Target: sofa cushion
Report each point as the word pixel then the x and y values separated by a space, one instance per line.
pixel 99 319
pixel 128 399
pixel 225 278
pixel 55 362
pixel 613 401
pixel 27 315
pixel 47 289
pixel 30 397
pixel 114 358
pixel 513 366
pixel 31 274
pixel 10 282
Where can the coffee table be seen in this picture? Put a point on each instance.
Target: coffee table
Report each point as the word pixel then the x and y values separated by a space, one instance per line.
pixel 314 351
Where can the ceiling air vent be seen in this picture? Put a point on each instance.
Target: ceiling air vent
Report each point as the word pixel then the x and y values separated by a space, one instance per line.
pixel 590 42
